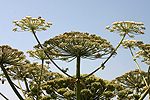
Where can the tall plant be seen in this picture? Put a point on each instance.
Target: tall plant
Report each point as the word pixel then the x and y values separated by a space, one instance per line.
pixel 77 45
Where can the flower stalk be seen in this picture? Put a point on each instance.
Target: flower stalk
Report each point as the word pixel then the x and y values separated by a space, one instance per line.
pixel 138 66
pixel 103 64
pixel 78 90
pixel 48 55
pixel 11 83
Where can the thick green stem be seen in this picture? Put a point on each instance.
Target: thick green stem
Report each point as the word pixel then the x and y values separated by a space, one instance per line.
pixel 11 83
pixel 78 78
pixel 103 64
pixel 48 55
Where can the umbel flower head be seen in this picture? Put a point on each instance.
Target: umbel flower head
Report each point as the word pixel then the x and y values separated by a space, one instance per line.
pixel 131 43
pixel 31 71
pixel 144 52
pixel 38 54
pixel 75 44
pixel 10 56
pixel 130 28
pixel 132 84
pixel 31 24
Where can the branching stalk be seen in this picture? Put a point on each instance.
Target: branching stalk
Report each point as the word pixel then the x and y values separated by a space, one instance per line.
pixel 48 55
pixel 138 66
pixel 11 83
pixel 103 64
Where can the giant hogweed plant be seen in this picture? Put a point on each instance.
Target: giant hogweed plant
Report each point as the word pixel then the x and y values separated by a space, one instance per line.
pixel 76 45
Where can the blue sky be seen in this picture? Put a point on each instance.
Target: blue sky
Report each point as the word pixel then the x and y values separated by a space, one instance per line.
pixel 75 15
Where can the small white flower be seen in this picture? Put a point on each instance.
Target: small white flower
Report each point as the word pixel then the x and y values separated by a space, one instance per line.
pixel 127 27
pixel 31 24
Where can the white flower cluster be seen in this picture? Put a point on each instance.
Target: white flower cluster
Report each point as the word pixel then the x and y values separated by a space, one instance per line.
pixel 10 56
pixel 126 27
pixel 144 53
pixel 37 53
pixel 144 49
pixel 31 24
pixel 73 44
pixel 131 43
